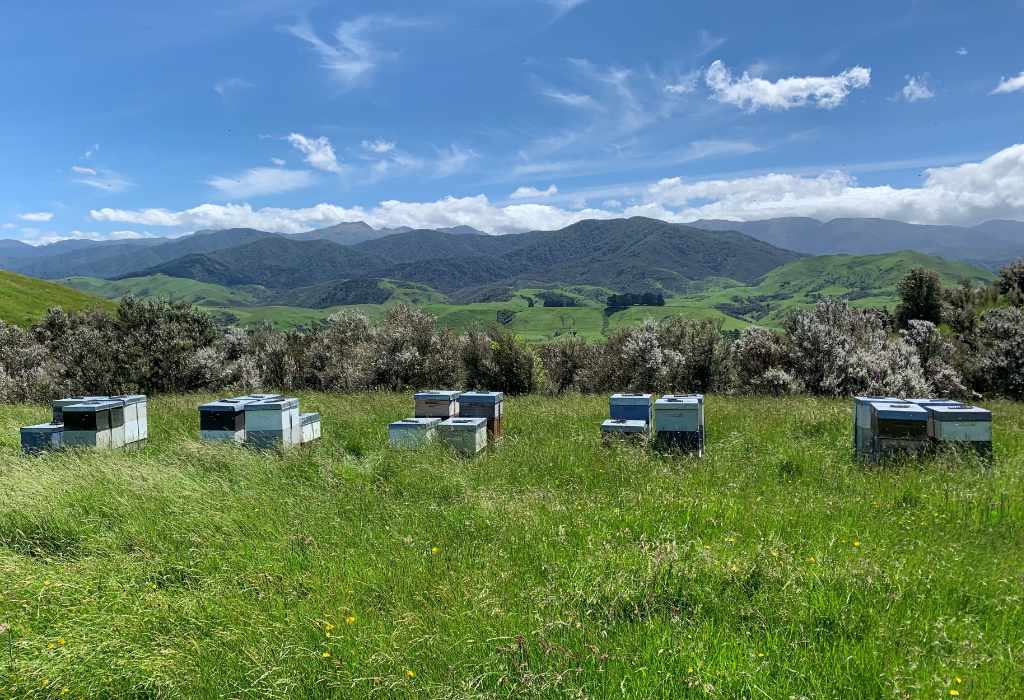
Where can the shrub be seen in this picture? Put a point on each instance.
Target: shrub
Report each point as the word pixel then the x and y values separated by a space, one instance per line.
pixel 920 297
pixel 494 359
pixel 999 365
pixel 759 358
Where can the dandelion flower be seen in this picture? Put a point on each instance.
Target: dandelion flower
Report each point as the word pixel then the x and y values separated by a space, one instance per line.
pixel 957 679
pixel 50 645
pixel 410 674
pixel 350 620
pixel 326 655
pixel 65 690
pixel 811 560
pixel 328 627
pixel 60 641
pixel 435 550
pixel 954 692
pixel 689 669
pixel 856 543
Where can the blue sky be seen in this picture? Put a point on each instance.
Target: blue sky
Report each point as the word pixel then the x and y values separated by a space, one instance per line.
pixel 131 119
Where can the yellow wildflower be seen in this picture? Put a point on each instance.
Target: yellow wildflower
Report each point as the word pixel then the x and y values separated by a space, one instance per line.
pixel 689 669
pixel 856 543
pixel 410 674
pixel 328 627
pixel 954 692
pixel 435 550
pixel 350 620
pixel 60 641
pixel 326 655
pixel 957 679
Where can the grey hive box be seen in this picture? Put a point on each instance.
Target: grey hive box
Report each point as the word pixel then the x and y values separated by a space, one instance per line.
pixel 310 423
pixel 862 435
pixel 630 407
pixel 961 424
pixel 136 418
pixel 44 437
pixel 58 405
pixel 413 433
pixel 484 404
pixel 437 403
pixel 898 429
pixel 467 436
pixel 223 420
pixel 92 424
pixel 622 428
pixel 679 423
pixel 273 423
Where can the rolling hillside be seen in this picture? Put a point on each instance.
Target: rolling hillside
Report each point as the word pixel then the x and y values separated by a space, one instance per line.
pixel 24 300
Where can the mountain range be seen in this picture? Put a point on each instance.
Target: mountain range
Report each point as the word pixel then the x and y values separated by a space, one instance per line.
pixel 636 254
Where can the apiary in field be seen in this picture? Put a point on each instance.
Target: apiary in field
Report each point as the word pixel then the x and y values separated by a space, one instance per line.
pixel 223 420
pixel 898 429
pixel 273 423
pixel 960 424
pixel 437 403
pixel 467 436
pixel 624 429
pixel 310 423
pixel 42 438
pixel 413 433
pixel 679 423
pixel 483 404
pixel 630 407
pixel 862 436
pixel 97 424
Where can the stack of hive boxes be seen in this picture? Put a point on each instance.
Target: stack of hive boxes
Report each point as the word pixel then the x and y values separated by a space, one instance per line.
pixel 679 422
pixel 884 427
pixel 91 421
pixel 629 416
pixel 258 420
pixel 483 404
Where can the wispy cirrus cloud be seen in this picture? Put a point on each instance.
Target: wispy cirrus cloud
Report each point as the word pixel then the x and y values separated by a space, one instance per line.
pixel 352 54
pixel 1008 85
pixel 36 216
pixel 228 86
pixel 752 94
pixel 256 182
pixel 454 159
pixel 101 179
pixel 571 99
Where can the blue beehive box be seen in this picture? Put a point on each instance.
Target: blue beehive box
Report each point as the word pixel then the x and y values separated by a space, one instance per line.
pixel 897 428
pixel 630 407
pixel 862 435
pixel 42 438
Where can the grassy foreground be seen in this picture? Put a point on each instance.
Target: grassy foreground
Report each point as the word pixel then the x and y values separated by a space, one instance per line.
pixel 551 567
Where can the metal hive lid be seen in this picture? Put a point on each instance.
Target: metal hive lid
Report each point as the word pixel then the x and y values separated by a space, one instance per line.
pixel 482 397
pixel 960 412
pixel 898 410
pixel 415 423
pixel 438 395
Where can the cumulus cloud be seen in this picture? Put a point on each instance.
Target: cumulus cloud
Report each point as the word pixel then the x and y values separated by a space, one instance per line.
pixel 36 216
pixel 963 194
pixel 917 89
pixel 1008 85
pixel 318 152
pixel 352 56
pixel 527 192
pixel 752 94
pixel 962 51
pixel 262 181
pixel 36 236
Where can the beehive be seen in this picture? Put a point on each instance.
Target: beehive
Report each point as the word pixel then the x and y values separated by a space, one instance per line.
pixel 467 436
pixel 42 438
pixel 679 422
pixel 310 423
pixel 58 405
pixel 273 423
pixel 413 433
pixel 960 424
pixel 630 407
pixel 483 404
pixel 862 435
pixel 898 428
pixel 437 403
pixel 94 424
pixel 136 418
pixel 223 420
pixel 624 429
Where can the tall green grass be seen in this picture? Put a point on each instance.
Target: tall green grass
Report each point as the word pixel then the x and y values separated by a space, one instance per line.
pixel 548 567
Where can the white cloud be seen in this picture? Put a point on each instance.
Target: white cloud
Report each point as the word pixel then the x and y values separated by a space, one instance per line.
pixel 963 194
pixel 36 216
pixel 228 85
pixel 961 51
pixel 262 181
pixel 35 236
pixel 684 84
pixel 563 7
pixel 379 146
pixel 352 56
pixel 752 94
pixel 570 99
pixel 454 159
pixel 8 225
pixel 917 89
pixel 102 179
pixel 279 162
pixel 1008 85
pixel 90 152
pixel 318 152
pixel 527 192
pixel 708 42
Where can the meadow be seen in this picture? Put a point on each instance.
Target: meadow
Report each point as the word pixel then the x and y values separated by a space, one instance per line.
pixel 550 566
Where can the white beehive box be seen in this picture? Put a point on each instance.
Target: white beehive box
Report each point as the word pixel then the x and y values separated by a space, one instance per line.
pixel 273 423
pixel 679 414
pixel 964 424
pixel 467 436
pixel 437 403
pixel 310 423
pixel 136 418
pixel 42 438
pixel 413 433
pixel 624 428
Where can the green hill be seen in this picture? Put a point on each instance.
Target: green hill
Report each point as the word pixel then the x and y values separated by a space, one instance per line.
pixel 24 300
pixel 173 288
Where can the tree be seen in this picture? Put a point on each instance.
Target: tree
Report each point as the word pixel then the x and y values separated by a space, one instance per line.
pixel 920 297
pixel 1011 282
